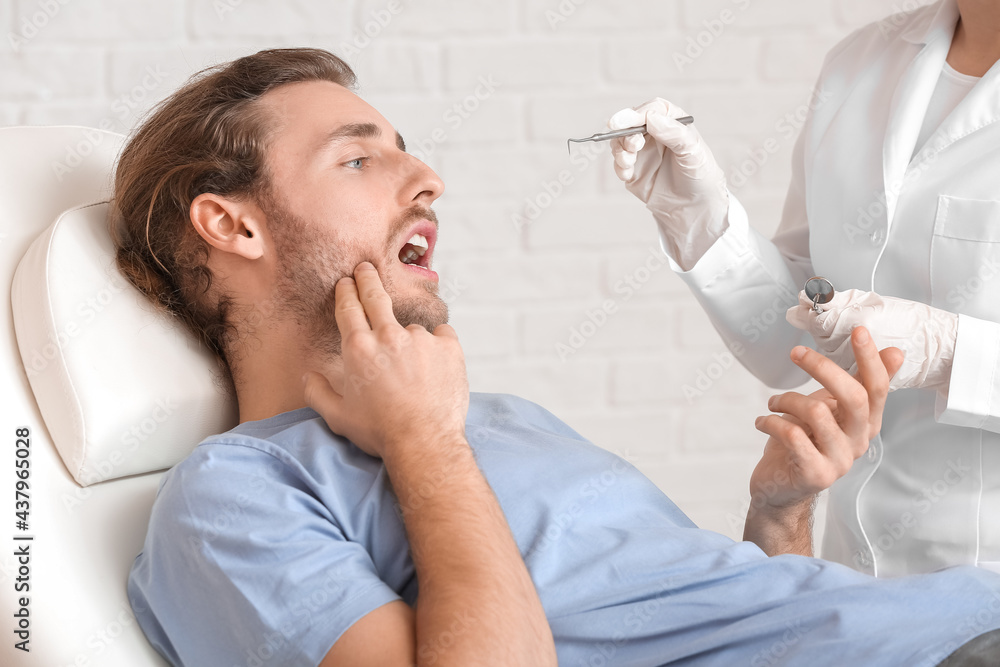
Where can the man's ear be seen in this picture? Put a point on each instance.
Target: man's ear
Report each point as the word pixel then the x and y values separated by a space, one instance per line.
pixel 230 226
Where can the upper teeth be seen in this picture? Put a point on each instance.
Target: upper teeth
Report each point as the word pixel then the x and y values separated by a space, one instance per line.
pixel 420 242
pixel 417 248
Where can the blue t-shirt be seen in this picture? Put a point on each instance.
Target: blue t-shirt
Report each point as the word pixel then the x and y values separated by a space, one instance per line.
pixel 271 540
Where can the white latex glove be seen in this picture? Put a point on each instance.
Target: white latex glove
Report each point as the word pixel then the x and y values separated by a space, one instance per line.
pixel 926 335
pixel 673 171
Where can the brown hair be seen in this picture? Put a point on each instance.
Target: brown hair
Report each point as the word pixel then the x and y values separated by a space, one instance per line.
pixel 209 136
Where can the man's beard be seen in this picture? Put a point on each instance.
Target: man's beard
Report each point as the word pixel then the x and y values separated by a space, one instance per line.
pixel 310 262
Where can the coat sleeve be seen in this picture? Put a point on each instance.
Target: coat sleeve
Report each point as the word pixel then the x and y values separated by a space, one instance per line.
pixel 745 283
pixel 973 395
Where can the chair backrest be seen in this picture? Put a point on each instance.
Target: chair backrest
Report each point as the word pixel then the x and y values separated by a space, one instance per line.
pixel 84 539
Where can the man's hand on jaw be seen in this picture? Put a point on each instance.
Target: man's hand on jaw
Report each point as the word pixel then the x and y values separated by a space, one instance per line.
pixel 399 385
pixel 404 397
pixel 815 442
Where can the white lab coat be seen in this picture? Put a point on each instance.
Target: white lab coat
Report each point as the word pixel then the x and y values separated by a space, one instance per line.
pixel 863 214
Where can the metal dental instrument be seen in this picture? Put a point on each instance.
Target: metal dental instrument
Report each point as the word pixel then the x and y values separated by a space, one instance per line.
pixel 604 136
pixel 818 290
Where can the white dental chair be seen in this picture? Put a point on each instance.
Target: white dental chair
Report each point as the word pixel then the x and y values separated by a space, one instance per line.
pixel 113 393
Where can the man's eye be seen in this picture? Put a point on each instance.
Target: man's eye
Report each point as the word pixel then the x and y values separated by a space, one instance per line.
pixel 357 163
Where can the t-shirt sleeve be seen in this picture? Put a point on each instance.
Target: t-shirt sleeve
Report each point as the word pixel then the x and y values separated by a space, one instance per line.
pixel 244 565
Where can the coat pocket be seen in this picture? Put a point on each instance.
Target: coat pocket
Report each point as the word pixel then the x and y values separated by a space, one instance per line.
pixel 965 257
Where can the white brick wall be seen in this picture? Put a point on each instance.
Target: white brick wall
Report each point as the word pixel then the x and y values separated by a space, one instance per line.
pixel 560 68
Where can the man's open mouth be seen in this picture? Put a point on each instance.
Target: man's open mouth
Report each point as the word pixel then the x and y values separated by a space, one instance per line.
pixel 414 250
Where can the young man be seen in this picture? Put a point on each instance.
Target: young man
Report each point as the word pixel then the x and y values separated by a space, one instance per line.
pixel 368 511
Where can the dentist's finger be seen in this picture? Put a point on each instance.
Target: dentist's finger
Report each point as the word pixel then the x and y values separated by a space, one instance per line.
pixel 626 118
pixel 623 158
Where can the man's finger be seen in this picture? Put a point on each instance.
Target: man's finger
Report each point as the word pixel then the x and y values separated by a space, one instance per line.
pixel 892 358
pixel 445 330
pixel 848 392
pixel 349 312
pixel 814 413
pixel 872 375
pixel 374 298
pixel 322 398
pixel 793 437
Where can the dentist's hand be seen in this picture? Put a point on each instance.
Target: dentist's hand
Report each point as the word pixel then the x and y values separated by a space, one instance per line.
pixel 400 385
pixel 673 171
pixel 926 335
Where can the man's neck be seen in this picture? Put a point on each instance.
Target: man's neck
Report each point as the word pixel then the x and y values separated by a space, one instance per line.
pixel 976 44
pixel 269 377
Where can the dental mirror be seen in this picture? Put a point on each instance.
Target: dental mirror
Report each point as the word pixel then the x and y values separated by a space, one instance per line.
pixel 818 290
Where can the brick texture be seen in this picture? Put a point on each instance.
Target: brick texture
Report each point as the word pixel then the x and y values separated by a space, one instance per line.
pixel 535 244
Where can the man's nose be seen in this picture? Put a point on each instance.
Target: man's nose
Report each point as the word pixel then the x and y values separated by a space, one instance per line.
pixel 423 185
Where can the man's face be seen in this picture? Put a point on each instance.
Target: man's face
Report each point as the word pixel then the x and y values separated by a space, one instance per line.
pixel 343 190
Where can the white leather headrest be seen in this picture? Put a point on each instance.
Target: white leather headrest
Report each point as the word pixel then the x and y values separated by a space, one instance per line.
pixel 123 387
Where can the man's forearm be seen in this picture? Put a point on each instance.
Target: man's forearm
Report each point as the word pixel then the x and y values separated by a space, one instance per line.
pixel 784 530
pixel 477 602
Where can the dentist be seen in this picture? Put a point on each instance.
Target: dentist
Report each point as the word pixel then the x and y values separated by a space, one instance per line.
pixel 895 197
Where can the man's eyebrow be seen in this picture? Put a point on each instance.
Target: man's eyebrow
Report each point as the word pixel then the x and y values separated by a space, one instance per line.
pixel 357 131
